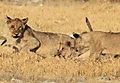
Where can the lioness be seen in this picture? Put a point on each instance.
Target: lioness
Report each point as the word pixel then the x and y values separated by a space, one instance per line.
pixel 47 43
pixel 98 42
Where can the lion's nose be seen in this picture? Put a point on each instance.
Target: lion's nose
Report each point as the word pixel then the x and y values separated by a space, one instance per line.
pixel 12 26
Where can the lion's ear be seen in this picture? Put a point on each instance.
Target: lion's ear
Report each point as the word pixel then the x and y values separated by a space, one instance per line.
pixel 25 20
pixel 75 35
pixel 8 19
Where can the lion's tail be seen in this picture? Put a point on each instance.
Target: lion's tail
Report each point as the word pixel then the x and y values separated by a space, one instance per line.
pixel 89 25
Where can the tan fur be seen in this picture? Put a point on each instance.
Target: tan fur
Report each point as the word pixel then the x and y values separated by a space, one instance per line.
pixel 98 42
pixel 47 43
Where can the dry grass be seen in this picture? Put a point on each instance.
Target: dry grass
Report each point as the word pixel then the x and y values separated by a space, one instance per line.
pixel 61 19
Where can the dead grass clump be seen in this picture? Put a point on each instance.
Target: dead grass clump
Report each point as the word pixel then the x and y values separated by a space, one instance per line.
pixel 115 1
pixel 31 68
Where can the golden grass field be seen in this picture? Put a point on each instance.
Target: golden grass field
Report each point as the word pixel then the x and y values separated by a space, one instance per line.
pixel 25 68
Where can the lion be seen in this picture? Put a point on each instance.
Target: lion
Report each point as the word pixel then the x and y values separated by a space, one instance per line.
pixel 98 42
pixel 46 43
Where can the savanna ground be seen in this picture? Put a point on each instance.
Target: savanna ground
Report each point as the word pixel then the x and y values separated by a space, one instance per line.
pixel 61 18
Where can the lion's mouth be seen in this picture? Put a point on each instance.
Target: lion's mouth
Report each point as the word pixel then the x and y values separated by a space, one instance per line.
pixel 16 35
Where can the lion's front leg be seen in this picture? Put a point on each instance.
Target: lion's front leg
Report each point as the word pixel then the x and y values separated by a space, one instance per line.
pixel 95 54
pixel 31 45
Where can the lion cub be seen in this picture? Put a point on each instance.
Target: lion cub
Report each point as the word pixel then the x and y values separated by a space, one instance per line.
pixel 98 42
pixel 45 43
